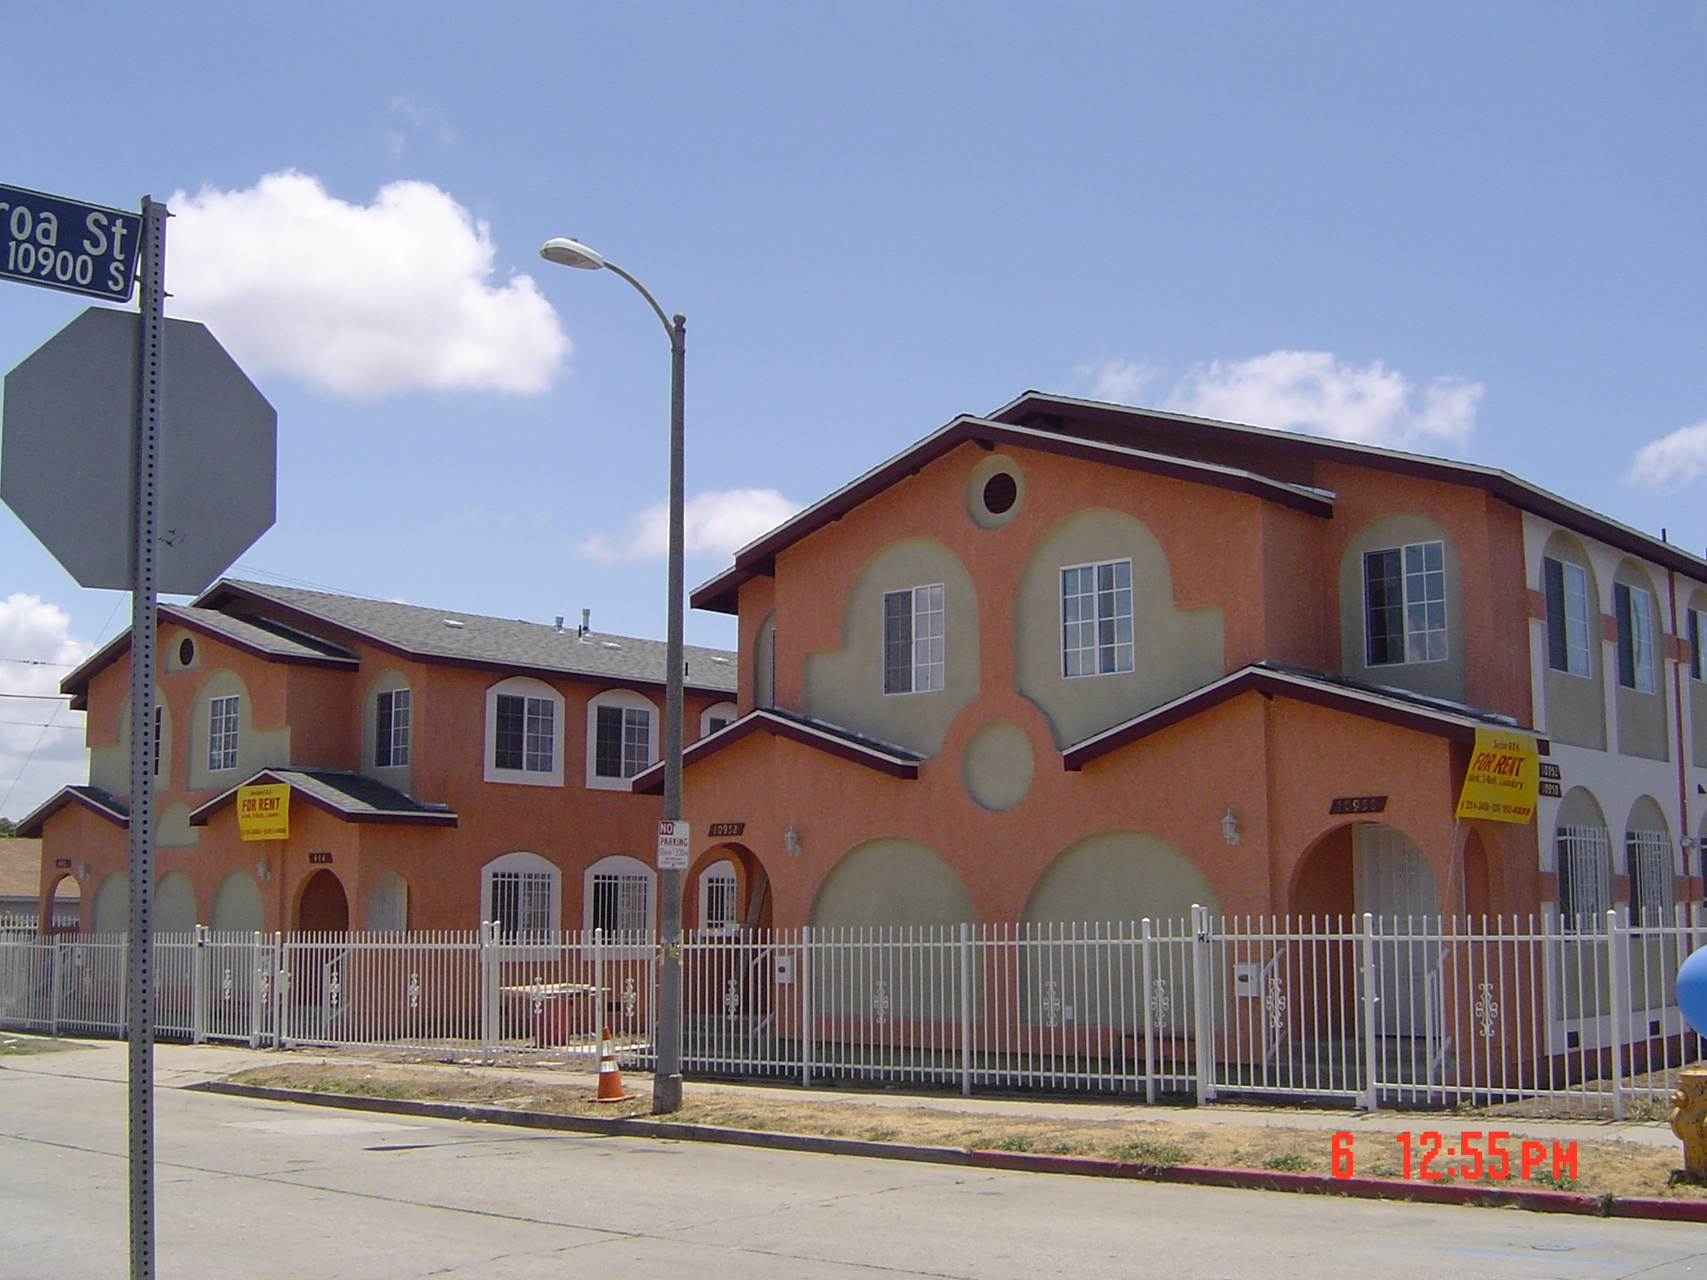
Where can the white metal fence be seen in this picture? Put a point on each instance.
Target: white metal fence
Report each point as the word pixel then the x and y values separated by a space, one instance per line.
pixel 1372 1011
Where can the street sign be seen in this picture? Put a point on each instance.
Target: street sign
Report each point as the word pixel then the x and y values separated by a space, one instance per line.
pixel 66 244
pixel 66 446
pixel 673 840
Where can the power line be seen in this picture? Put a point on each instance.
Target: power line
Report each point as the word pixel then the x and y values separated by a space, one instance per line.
pixel 39 697
pixel 41 724
pixel 37 662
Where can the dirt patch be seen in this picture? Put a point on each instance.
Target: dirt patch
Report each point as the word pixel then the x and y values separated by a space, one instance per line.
pixel 14 1046
pixel 1615 1168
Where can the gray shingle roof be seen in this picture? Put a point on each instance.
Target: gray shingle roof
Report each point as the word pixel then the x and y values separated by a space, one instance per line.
pixel 261 634
pixel 351 796
pixel 446 635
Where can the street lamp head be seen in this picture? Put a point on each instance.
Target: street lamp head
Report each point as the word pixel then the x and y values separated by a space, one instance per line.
pixel 570 253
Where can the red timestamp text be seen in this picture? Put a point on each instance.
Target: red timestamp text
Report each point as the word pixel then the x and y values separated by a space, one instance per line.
pixel 1475 1154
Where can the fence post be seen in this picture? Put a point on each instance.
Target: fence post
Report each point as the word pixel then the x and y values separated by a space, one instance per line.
pixel 256 975
pixel 198 986
pixel 1371 1014
pixel 1145 946
pixel 281 992
pixel 1617 982
pixel 966 956
pixel 53 974
pixel 1202 1016
pixel 488 993
pixel 804 978
pixel 601 999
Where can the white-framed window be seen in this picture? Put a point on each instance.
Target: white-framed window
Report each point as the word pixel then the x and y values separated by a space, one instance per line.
pixel 1585 877
pixel 1096 618
pixel 391 729
pixel 1697 634
pixel 521 894
pixel 1653 886
pixel 159 733
pixel 223 715
pixel 618 897
pixel 718 898
pixel 914 649
pixel 719 716
pixel 1404 604
pixel 622 738
pixel 1566 587
pixel 1634 610
pixel 524 733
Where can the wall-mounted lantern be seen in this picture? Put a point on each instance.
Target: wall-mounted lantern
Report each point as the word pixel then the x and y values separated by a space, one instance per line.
pixel 1230 827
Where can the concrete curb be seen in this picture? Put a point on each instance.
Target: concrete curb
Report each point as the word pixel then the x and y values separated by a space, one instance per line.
pixel 1480 1196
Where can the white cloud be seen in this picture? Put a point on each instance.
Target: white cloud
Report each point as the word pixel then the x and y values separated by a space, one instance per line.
pixel 1671 462
pixel 1115 381
pixel 719 523
pixel 36 651
pixel 359 300
pixel 1311 391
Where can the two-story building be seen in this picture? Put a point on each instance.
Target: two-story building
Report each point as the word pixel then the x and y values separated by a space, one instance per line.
pixel 444 768
pixel 1076 662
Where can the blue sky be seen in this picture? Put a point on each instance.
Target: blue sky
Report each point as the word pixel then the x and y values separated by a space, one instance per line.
pixel 1468 229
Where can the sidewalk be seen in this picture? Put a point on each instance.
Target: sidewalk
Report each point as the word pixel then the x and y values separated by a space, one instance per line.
pixel 177 1066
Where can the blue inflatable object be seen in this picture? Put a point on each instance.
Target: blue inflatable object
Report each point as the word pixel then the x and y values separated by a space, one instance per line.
pixel 1692 991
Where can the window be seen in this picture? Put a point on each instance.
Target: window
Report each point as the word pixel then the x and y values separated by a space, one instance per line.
pixel 913 645
pixel 719 715
pixel 1697 633
pixel 623 745
pixel 1404 604
pixel 525 733
pixel 1566 589
pixel 717 899
pixel 1096 618
pixel 621 901
pixel 1635 613
pixel 159 720
pixel 222 714
pixel 391 730
pixel 519 894
pixel 1652 887
pixel 1585 877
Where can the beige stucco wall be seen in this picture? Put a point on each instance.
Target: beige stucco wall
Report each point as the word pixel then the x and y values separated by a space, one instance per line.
pixel 891 882
pixel 256 748
pixel 385 682
pixel 1437 679
pixel 1174 650
pixel 109 766
pixel 1119 877
pixel 1576 707
pixel 1642 716
pixel 845 686
pixel 237 904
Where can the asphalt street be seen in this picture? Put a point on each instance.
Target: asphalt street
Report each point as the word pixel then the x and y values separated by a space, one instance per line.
pixel 262 1190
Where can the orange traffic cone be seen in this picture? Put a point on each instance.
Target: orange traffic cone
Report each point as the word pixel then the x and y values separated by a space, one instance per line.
pixel 610 1079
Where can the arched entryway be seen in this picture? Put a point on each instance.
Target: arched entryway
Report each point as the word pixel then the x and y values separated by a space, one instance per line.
pixel 1364 867
pixel 323 906
pixel 728 891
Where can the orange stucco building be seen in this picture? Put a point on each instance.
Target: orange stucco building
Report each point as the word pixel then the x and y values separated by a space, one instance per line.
pixel 445 768
pixel 1078 662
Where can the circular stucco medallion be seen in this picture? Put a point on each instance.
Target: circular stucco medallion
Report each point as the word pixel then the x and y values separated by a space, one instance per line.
pixel 996 766
pixel 994 491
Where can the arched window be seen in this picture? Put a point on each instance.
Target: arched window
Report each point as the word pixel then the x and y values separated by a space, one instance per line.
pixel 524 733
pixel 388 904
pixel 622 738
pixel 719 898
pixel 713 718
pixel 521 893
pixel 618 896
pixel 1650 864
pixel 1584 857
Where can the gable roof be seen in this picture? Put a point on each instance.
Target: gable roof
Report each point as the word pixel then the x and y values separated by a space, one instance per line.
pixel 1390 706
pixel 758 559
pixel 1288 454
pixel 1274 465
pixel 831 739
pixel 471 639
pixel 262 637
pixel 350 796
pixel 94 799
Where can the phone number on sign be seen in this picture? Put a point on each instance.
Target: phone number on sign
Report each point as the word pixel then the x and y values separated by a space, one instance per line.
pixel 1477 1154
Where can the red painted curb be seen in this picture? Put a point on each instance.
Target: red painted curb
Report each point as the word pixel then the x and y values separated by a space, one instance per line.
pixel 1669 1210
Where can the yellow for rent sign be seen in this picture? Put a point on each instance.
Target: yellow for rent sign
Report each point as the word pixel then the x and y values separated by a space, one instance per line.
pixel 263 811
pixel 1500 784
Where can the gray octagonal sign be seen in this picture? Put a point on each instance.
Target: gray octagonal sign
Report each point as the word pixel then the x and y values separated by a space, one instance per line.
pixel 66 442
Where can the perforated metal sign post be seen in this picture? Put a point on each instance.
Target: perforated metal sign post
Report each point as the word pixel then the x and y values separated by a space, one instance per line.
pixel 66 244
pixel 140 455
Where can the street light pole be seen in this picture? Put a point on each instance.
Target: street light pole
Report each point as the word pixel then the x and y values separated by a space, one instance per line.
pixel 667 1046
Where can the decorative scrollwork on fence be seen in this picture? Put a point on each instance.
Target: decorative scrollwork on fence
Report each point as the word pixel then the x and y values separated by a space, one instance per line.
pixel 1486 1009
pixel 630 997
pixel 225 986
pixel 880 1002
pixel 1161 1003
pixel 732 996
pixel 1051 1004
pixel 414 992
pixel 1274 1002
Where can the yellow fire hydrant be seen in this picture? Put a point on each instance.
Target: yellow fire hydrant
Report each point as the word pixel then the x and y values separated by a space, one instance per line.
pixel 1689 1119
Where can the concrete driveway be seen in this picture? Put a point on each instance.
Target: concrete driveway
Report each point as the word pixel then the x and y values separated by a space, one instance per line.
pixel 262 1190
